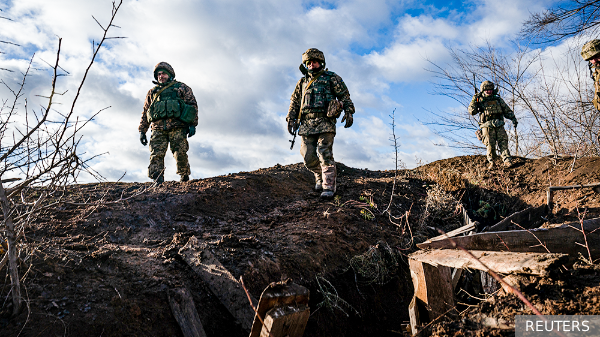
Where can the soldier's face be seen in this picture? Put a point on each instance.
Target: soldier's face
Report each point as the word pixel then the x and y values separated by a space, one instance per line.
pixel 162 76
pixel 488 92
pixel 595 60
pixel 313 64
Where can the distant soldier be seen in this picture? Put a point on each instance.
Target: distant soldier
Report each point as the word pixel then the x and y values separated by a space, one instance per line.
pixel 172 112
pixel 492 110
pixel 591 52
pixel 315 105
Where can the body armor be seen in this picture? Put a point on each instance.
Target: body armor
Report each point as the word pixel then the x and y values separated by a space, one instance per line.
pixel 317 96
pixel 491 112
pixel 167 104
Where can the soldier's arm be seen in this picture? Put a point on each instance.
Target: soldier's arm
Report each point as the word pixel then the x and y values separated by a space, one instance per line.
pixel 507 111
pixel 295 101
pixel 340 90
pixel 144 125
pixel 473 106
pixel 188 97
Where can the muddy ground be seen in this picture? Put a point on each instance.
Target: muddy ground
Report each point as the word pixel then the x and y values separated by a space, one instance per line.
pixel 100 264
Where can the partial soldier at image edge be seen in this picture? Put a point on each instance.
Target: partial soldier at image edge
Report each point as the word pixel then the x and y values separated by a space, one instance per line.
pixel 492 110
pixel 317 101
pixel 171 111
pixel 591 53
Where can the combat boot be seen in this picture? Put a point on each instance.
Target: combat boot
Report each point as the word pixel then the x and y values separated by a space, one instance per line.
pixel 508 163
pixel 184 178
pixel 319 182
pixel 327 194
pixel 160 179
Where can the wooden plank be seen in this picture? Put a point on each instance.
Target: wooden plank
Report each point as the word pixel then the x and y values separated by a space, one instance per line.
pixel 220 281
pixel 184 310
pixel 530 217
pixel 470 225
pixel 278 294
pixel 433 289
pixel 563 239
pixel 413 315
pixel 500 262
pixel 286 321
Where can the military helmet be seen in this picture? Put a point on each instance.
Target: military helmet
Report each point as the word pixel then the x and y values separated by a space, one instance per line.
pixel 590 49
pixel 486 85
pixel 313 54
pixel 163 66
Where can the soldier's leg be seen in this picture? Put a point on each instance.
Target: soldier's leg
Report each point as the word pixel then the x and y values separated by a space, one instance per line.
pixel 502 139
pixel 159 142
pixel 308 150
pixel 489 144
pixel 179 148
pixel 325 153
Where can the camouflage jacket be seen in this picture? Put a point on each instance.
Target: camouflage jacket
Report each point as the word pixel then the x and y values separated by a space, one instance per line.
pixel 315 100
pixel 185 93
pixel 492 110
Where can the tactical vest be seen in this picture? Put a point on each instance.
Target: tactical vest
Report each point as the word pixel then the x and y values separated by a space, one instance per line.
pixel 490 109
pixel 316 98
pixel 169 105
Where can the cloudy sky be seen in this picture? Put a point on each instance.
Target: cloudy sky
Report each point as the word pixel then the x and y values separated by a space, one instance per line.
pixel 241 60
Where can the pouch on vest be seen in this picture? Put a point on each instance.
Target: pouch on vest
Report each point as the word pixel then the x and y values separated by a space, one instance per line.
pixel 334 110
pixel 173 108
pixel 188 114
pixel 157 111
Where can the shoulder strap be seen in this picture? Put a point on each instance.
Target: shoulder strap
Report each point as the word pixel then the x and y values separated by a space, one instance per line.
pixel 160 91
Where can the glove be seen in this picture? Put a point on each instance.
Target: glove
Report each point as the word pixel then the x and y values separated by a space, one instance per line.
pixel 143 138
pixel 348 118
pixel 191 131
pixel 291 126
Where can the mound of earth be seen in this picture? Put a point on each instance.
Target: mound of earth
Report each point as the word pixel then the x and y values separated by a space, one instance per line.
pixel 102 261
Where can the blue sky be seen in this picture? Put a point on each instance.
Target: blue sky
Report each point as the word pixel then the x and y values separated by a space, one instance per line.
pixel 241 60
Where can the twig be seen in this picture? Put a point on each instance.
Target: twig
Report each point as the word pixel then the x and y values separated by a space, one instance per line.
pixel 253 308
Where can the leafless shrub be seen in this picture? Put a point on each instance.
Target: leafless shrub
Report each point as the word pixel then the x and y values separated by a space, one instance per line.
pixel 376 266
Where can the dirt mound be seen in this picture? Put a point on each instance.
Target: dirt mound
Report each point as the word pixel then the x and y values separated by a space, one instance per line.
pixel 104 268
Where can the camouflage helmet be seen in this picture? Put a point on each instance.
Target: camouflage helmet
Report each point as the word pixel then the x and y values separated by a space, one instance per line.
pixel 486 85
pixel 590 49
pixel 163 66
pixel 313 54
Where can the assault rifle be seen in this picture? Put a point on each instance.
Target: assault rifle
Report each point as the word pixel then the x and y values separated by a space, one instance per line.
pixel 295 128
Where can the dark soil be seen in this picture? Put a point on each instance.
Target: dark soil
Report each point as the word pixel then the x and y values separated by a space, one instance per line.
pixel 103 269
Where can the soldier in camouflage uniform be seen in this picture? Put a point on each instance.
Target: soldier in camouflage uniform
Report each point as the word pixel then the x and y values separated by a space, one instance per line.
pixel 316 103
pixel 170 109
pixel 591 52
pixel 492 110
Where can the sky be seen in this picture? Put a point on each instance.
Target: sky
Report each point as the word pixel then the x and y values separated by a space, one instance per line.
pixel 241 60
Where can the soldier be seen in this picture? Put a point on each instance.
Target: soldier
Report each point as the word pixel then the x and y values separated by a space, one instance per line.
pixel 172 112
pixel 591 52
pixel 492 110
pixel 315 105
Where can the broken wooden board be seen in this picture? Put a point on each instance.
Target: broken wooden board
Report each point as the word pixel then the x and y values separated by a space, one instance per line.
pixel 278 294
pixel 433 290
pixel 470 225
pixel 530 217
pixel 501 262
pixel 564 239
pixel 413 316
pixel 286 321
pixel 185 313
pixel 220 281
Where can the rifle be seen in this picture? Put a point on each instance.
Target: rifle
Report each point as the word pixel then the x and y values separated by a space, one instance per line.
pixel 296 126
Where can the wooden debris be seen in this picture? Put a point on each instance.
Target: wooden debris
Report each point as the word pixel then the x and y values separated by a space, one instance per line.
pixel 470 225
pixel 530 217
pixel 551 189
pixel 220 281
pixel 565 239
pixel 184 310
pixel 286 304
pixel 500 262
pixel 433 290
pixel 414 315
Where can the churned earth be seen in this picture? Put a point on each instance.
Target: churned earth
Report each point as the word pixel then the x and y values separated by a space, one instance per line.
pixel 100 264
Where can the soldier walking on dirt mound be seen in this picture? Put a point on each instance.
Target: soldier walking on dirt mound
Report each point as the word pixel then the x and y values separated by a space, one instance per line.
pixel 492 110
pixel 591 52
pixel 170 109
pixel 316 103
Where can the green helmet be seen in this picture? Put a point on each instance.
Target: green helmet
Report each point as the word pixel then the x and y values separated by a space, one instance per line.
pixel 486 85
pixel 590 49
pixel 166 67
pixel 313 54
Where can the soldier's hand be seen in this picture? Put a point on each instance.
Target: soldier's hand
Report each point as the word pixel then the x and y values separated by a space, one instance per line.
pixel 349 119
pixel 291 126
pixel 191 131
pixel 143 139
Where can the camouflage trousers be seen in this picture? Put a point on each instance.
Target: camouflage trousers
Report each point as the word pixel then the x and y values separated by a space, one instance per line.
pixel 493 137
pixel 159 141
pixel 317 152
